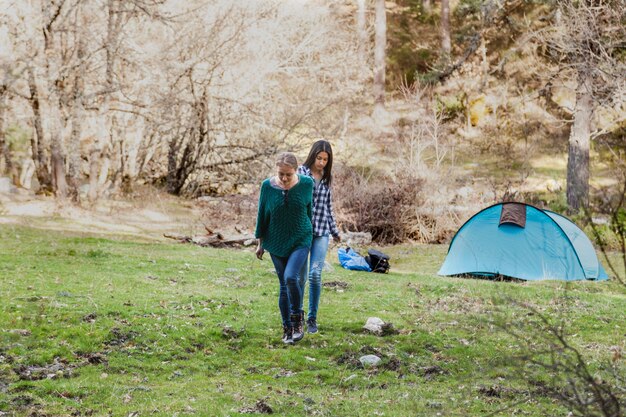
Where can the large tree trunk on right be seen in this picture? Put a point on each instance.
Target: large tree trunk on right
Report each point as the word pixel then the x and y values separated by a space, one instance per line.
pixel 579 144
pixel 446 46
pixel 380 56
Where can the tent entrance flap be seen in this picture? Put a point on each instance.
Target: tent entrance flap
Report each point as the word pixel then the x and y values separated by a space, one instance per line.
pixel 513 213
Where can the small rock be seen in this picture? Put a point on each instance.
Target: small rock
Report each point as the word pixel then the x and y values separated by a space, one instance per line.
pixel 369 360
pixel 374 325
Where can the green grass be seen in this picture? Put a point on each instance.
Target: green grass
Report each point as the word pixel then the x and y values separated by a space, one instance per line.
pixel 120 328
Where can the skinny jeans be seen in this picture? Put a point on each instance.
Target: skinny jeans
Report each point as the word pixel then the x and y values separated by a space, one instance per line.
pixel 316 265
pixel 289 295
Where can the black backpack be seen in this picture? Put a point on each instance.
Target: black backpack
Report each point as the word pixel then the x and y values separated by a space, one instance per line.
pixel 378 261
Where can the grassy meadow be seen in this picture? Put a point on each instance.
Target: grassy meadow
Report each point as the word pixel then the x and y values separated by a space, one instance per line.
pixel 95 326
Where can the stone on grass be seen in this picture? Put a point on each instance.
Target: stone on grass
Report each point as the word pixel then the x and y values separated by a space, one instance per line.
pixel 369 360
pixel 374 325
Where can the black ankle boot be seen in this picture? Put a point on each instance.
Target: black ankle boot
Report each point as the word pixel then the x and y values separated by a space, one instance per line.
pixel 297 321
pixel 288 335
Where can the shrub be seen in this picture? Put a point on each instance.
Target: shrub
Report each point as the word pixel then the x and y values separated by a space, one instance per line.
pixel 377 204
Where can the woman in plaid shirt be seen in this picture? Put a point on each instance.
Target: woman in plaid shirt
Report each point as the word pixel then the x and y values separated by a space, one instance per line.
pixel 318 166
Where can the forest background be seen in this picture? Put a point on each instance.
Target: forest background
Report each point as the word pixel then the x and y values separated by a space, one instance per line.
pixel 435 109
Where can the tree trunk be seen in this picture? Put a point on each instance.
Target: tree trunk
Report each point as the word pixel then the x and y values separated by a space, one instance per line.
pixel 379 56
pixel 362 32
pixel 38 142
pixel 95 156
pixel 57 155
pixel 579 144
pixel 446 46
pixel 172 180
pixel 57 160
pixel 4 146
pixel 51 94
pixel 77 114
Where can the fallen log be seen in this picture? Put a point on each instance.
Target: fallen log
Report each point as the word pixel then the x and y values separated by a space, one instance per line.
pixel 216 240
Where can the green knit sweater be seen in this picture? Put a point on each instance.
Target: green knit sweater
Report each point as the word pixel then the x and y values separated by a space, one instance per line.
pixel 284 217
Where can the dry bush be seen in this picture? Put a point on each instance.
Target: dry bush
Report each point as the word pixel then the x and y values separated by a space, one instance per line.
pixel 396 209
pixel 375 204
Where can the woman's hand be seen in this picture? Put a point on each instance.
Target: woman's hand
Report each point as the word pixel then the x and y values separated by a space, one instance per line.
pixel 259 251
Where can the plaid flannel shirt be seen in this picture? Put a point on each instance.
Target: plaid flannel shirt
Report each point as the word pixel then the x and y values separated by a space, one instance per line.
pixel 323 218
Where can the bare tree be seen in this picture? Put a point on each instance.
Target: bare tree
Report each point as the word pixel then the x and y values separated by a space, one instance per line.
pixel 380 55
pixel 115 10
pixel 549 360
pixel 586 42
pixel 232 102
pixel 188 96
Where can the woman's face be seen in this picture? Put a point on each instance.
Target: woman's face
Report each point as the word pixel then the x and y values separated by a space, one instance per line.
pixel 286 174
pixel 320 161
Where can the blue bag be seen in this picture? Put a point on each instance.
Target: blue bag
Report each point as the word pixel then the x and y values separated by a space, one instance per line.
pixel 351 260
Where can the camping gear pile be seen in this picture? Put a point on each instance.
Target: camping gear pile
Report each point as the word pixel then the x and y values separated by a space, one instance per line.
pixel 375 261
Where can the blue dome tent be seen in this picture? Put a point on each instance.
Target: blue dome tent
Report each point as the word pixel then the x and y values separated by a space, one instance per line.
pixel 521 241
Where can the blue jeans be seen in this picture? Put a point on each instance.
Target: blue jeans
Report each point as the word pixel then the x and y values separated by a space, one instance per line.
pixel 317 258
pixel 290 294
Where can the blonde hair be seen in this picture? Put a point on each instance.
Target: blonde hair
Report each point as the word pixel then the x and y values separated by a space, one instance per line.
pixel 287 159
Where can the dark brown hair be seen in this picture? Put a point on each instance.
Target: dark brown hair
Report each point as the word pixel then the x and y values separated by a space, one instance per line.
pixel 316 148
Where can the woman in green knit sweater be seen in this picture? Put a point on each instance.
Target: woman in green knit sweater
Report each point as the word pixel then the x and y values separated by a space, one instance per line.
pixel 284 229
